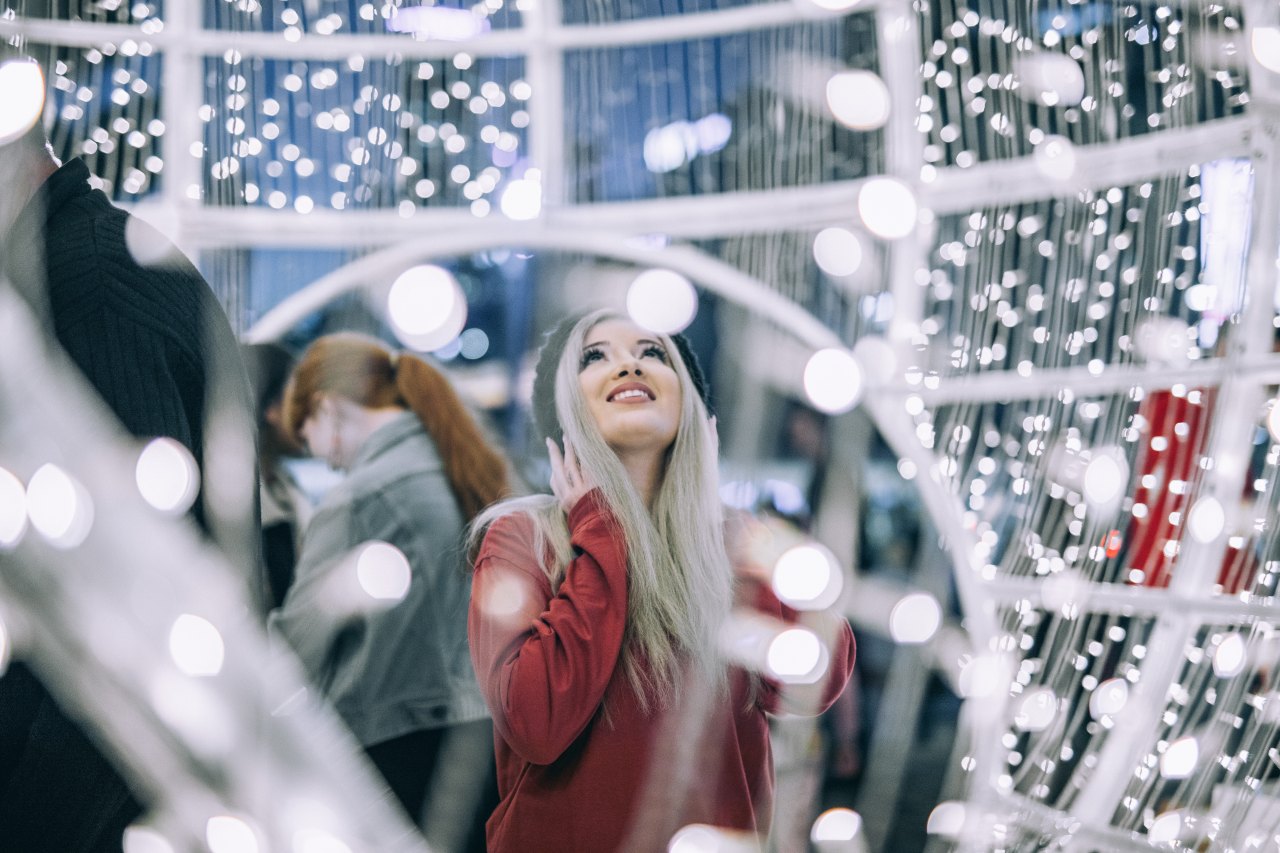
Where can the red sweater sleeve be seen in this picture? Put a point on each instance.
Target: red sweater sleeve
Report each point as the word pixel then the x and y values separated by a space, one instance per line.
pixel 806 699
pixel 544 661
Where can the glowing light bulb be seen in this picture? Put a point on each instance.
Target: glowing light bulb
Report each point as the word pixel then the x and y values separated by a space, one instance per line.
pixel 426 307
pixel 1052 79
pixel 227 834
pixel 1036 710
pixel 888 208
pixel 833 380
pixel 1166 828
pixel 1230 656
pixel 196 646
pixel 167 476
pixel 383 571
pixel 838 251
pixel 836 825
pixel 946 819
pixel 858 99
pixel 662 300
pixel 807 577
pixel 13 509
pixel 795 655
pixel 1206 520
pixel 915 618
pixel 21 98
pixel 1109 698
pixel 1180 759
pixel 144 839
pixel 1265 42
pixel 1106 477
pixel 522 199
pixel 59 507
pixel 1055 157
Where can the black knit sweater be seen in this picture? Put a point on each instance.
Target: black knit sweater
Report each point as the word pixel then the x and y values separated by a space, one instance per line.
pixel 144 337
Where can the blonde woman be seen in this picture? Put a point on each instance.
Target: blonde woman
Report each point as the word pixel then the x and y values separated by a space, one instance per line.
pixel 595 614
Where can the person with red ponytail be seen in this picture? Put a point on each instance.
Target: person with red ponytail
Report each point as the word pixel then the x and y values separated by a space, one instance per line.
pixel 419 469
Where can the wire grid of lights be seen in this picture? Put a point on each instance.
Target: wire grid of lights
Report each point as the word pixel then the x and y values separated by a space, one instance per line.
pixel 1026 348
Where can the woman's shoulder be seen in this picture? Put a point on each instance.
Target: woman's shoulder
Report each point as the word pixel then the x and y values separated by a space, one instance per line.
pixel 511 528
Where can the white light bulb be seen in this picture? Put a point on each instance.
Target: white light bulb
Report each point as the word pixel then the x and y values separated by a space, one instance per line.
pixel 13 509
pixel 196 646
pixel 1265 42
pixel 1109 698
pixel 1055 157
pixel 1106 477
pixel 522 199
pixel 795 655
pixel 21 98
pixel 915 618
pixel 858 99
pixel 144 839
pixel 1049 78
pixel 807 577
pixel 1179 759
pixel 59 507
pixel 833 380
pixel 946 819
pixel 888 208
pixel 1036 710
pixel 1206 520
pixel 838 251
pixel 1230 656
pixel 1166 828
pixel 383 571
pixel 167 476
pixel 227 834
pixel 984 677
pixel 426 307
pixel 836 825
pixel 662 300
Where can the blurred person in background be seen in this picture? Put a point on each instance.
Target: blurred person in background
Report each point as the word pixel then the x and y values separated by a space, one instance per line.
pixel 285 508
pixel 144 328
pixel 596 614
pixel 419 468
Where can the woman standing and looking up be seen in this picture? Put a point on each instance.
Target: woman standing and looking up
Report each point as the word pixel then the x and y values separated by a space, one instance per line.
pixel 418 470
pixel 596 614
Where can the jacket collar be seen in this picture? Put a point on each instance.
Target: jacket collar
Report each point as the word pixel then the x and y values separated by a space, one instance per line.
pixel 388 436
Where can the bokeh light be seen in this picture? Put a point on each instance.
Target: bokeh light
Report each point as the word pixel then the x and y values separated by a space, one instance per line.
pixel 888 208
pixel 167 476
pixel 1055 157
pixel 833 380
pixel 522 199
pixel 915 618
pixel 1265 43
pixel 858 99
pixel 1109 698
pixel 196 646
pixel 836 825
pixel 230 834
pixel 807 577
pixel 59 506
pixel 1106 477
pixel 795 656
pixel 837 251
pixel 318 841
pixel 662 300
pixel 1167 828
pixel 1180 758
pixel 946 819
pixel 426 307
pixel 21 98
pixel 1036 710
pixel 13 509
pixel 1230 655
pixel 383 571
pixel 145 839
pixel 1206 520
pixel 1051 79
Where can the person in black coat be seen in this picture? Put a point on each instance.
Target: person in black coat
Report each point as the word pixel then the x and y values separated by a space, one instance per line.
pixel 146 337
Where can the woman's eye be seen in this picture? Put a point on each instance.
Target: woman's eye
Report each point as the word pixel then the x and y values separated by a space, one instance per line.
pixel 590 356
pixel 655 352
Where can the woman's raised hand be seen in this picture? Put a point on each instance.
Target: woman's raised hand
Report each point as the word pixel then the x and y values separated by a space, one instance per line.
pixel 568 482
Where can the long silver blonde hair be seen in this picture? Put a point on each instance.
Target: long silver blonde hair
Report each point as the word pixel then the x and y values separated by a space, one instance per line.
pixel 680 581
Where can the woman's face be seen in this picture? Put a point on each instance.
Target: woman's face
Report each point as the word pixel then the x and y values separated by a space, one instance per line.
pixel 323 433
pixel 631 389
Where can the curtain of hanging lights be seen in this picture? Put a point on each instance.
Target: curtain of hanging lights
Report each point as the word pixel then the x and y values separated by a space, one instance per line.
pixel 1081 314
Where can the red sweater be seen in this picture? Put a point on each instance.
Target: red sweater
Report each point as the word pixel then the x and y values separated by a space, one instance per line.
pixel 582 767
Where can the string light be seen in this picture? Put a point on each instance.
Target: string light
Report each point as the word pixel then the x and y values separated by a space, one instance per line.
pixel 662 300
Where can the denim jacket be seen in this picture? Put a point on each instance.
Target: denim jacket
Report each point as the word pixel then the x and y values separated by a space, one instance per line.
pixel 407 668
